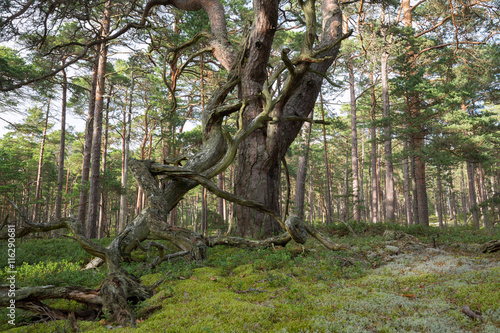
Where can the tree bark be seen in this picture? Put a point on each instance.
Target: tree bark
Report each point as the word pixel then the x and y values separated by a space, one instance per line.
pixel 127 127
pixel 407 186
pixel 417 132
pixel 389 168
pixel 38 183
pixel 102 211
pixel 472 194
pixel 373 156
pixel 87 147
pixel 62 148
pixel 260 154
pixel 354 144
pixel 439 195
pixel 328 202
pixel 300 190
pixel 463 195
pixel 95 167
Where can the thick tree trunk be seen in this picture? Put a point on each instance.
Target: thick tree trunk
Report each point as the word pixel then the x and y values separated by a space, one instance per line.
pixel 260 154
pixel 354 144
pixel 95 167
pixel 258 171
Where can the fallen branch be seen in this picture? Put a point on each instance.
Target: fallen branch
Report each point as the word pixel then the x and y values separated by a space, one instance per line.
pixel 471 314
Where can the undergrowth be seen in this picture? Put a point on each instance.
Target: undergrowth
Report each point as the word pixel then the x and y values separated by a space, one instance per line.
pixel 296 289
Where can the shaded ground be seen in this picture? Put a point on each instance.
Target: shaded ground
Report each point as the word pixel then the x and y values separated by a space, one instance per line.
pixel 416 283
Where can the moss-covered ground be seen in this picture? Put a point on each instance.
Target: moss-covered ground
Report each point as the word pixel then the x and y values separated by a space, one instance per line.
pixel 417 284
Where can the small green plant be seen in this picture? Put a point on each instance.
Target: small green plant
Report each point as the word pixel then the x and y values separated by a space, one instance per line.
pixel 277 280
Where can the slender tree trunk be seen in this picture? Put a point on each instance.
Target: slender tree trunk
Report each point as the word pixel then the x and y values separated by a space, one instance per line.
pixel 345 193
pixel 38 183
pixel 453 204
pixel 463 195
pixel 439 195
pixel 102 211
pixel 407 185
pixel 484 197
pixel 362 207
pixel 311 196
pixel 95 168
pixel 354 144
pixel 127 124
pixel 328 185
pixel 300 190
pixel 472 195
pixel 204 211
pixel 389 168
pixel 373 156
pixel 62 148
pixel 66 191
pixel 221 203
pixel 380 195
pixel 87 147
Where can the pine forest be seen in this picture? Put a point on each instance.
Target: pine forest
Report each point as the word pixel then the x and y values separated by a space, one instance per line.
pixel 163 163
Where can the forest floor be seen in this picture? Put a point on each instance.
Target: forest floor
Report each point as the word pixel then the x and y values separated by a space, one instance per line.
pixel 416 281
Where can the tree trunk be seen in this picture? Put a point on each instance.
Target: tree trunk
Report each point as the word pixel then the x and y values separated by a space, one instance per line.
pixel 354 144
pixel 328 203
pixel 439 195
pixel 345 191
pixel 417 130
pixel 407 186
pixel 259 157
pixel 127 124
pixel 95 167
pixel 463 195
pixel 453 203
pixel 87 147
pixel 472 195
pixel 373 156
pixel 484 197
pixel 389 169
pixel 204 212
pixel 102 211
pixel 38 183
pixel 300 190
pixel 60 166
pixel 221 203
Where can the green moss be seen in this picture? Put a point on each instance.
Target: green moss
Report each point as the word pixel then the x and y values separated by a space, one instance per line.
pixel 288 291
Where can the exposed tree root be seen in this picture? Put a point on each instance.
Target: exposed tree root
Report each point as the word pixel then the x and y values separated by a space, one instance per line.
pixel 490 247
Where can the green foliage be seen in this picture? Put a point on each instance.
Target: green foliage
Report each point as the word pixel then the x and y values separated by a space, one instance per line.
pixel 35 251
pixel 312 289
